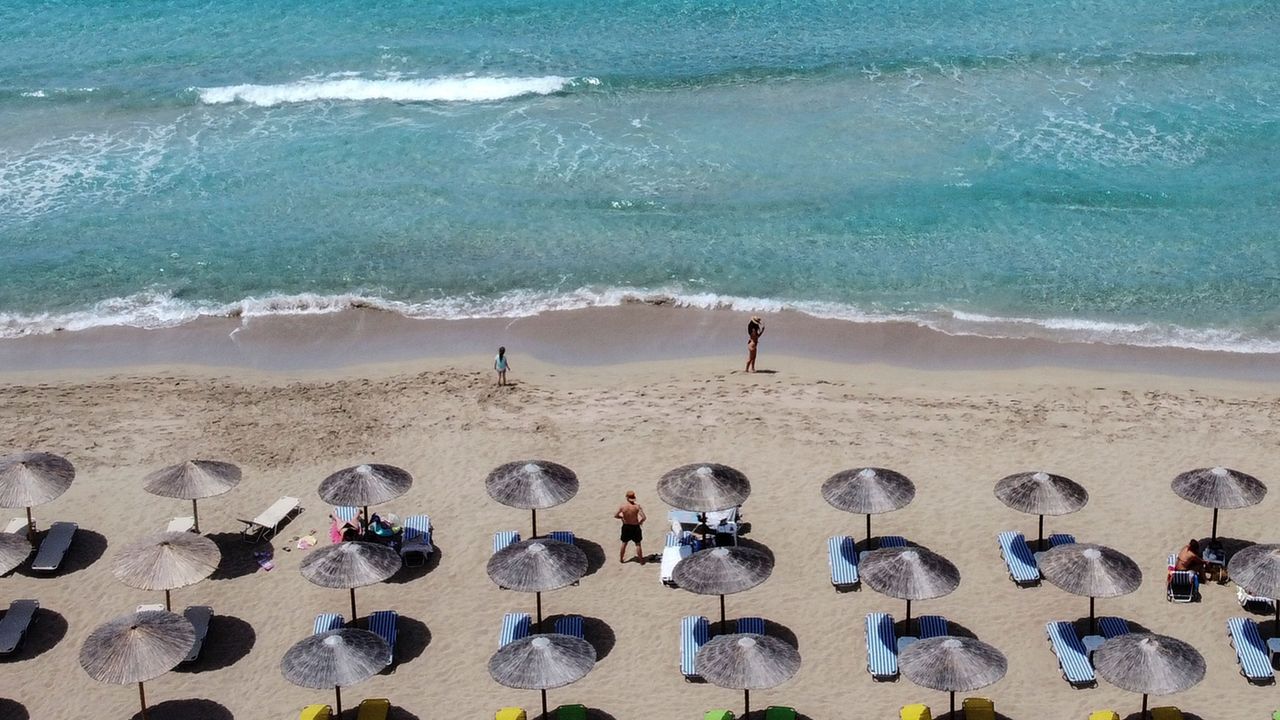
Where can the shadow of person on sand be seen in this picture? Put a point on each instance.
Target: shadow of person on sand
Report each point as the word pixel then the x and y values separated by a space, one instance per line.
pixel 13 710
pixel 229 640
pixel 86 548
pixel 47 630
pixel 188 709
pixel 408 573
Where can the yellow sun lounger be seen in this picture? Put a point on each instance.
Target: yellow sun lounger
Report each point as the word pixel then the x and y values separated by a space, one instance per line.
pixel 510 713
pixel 1166 713
pixel 915 712
pixel 1104 715
pixel 316 712
pixel 978 709
pixel 374 709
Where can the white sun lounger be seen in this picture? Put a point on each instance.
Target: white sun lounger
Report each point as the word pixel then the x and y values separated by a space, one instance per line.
pixel 326 622
pixel 1111 627
pixel 199 616
pixel 383 624
pixel 678 547
pixel 151 607
pixel 14 624
pixel 503 538
pixel 345 514
pixel 1251 650
pixel 571 625
pixel 515 626
pixel 416 542
pixel 267 524
pixel 695 631
pixel 1018 559
pixel 1075 664
pixel 187 523
pixel 842 557
pixel 1246 599
pixel 54 547
pixel 17 526
pixel 882 647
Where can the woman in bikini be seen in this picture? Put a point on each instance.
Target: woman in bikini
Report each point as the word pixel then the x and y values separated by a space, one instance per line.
pixel 755 329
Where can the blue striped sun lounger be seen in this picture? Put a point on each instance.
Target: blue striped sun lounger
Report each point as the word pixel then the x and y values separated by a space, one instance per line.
pixel 327 621
pixel 933 626
pixel 515 626
pixel 892 541
pixel 417 538
pixel 1018 558
pixel 345 514
pixel 1075 664
pixel 383 624
pixel 1251 651
pixel 751 625
pixel 882 647
pixel 1057 539
pixel 570 625
pixel 503 538
pixel 842 556
pixel 1113 627
pixel 564 536
pixel 695 631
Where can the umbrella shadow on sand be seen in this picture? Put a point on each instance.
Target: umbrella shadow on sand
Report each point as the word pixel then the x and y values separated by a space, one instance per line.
pixel 408 573
pixel 412 639
pixel 594 630
pixel 186 710
pixel 237 556
pixel 230 639
pixel 13 710
pixel 47 630
pixel 86 547
pixel 1082 626
pixel 1230 546
pixel 592 714
pixel 1185 716
pixel 594 553
pixel 782 632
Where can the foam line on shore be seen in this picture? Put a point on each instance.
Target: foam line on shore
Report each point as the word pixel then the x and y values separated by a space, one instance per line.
pixel 344 86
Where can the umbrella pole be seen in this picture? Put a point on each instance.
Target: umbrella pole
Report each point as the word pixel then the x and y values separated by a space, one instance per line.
pixel 534 511
pixel 142 698
pixel 952 714
pixel 746 703
pixel 31 526
pixel 1213 534
pixel 167 604
pixel 722 621
pixel 1093 622
pixel 195 516
pixel 1144 706
pixel 1275 629
pixel 1040 542
pixel 337 692
pixel 868 531
pixel 366 516
pixel 908 617
pixel 544 703
pixel 539 597
pixel 353 605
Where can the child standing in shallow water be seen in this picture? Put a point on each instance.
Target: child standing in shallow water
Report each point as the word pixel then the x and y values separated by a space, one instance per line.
pixel 501 365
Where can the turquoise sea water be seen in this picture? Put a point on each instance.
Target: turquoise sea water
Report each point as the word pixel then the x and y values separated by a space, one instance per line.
pixel 1085 170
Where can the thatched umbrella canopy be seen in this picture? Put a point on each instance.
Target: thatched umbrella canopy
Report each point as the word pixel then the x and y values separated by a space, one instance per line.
pixel 542 662
pixel 166 561
pixel 869 491
pixel 909 573
pixel 137 647
pixel 14 550
pixel 365 485
pixel 704 487
pixel 1040 493
pixel 747 662
pixel 723 571
pixel 1257 570
pixel 192 480
pixel 1149 664
pixel 1091 570
pixel 952 665
pixel 531 485
pixel 350 565
pixel 1219 488
pixel 28 479
pixel 335 658
pixel 537 566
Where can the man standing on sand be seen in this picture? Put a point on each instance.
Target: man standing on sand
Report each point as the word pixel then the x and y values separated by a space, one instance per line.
pixel 632 517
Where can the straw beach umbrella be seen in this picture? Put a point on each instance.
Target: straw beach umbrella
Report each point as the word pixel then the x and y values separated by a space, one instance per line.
pixel 704 487
pixel 28 479
pixel 542 662
pixel 1257 570
pixel 747 662
pixel 909 573
pixel 193 480
pixel 166 561
pixel 335 658
pixel 952 665
pixel 869 491
pixel 537 566
pixel 723 571
pixel 1219 488
pixel 350 565
pixel 1039 493
pixel 14 550
pixel 531 485
pixel 137 647
pixel 1149 664
pixel 1091 570
pixel 365 485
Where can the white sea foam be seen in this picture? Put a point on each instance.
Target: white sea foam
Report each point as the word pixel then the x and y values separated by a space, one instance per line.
pixel 346 86
pixel 156 309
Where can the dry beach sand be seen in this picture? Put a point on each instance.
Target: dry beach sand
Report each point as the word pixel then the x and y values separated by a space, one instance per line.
pixel 619 426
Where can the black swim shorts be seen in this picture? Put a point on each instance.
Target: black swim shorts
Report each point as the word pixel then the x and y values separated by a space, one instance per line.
pixel 631 533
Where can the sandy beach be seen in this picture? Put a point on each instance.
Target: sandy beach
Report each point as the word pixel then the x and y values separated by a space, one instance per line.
pixel 620 425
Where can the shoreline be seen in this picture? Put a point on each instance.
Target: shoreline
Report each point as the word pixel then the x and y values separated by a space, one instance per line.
pixel 635 332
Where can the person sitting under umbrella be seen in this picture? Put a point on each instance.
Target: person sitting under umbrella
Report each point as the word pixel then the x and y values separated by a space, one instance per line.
pixel 1189 559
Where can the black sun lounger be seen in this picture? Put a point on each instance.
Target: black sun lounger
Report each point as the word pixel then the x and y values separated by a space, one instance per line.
pixel 54 547
pixel 14 624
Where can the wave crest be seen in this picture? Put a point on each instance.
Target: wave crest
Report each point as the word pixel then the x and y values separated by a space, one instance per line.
pixel 344 87
pixel 159 310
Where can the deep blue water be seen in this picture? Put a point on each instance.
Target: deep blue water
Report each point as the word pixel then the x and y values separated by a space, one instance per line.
pixel 1100 171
